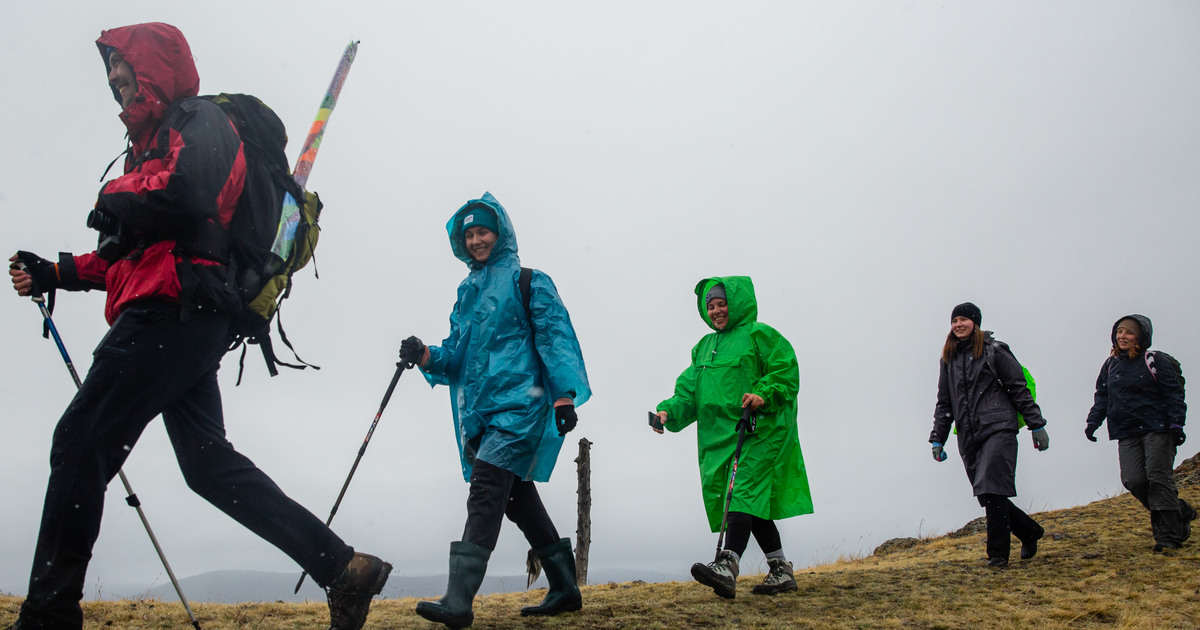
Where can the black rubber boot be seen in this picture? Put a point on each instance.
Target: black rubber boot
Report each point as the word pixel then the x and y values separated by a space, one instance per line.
pixel 558 562
pixel 1029 544
pixel 468 564
pixel 999 530
pixel 1167 526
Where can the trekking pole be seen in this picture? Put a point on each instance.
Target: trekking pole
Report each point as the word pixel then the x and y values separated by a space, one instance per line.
pixel 131 498
pixel 400 367
pixel 745 425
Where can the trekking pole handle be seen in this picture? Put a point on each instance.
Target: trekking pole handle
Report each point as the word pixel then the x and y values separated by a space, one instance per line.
pixel 749 420
pixel 35 292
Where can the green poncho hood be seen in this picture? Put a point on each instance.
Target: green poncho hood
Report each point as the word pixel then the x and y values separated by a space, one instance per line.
pixel 739 294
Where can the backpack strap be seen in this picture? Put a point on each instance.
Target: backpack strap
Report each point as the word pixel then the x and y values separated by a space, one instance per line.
pixel 524 283
pixel 989 358
pixel 1149 358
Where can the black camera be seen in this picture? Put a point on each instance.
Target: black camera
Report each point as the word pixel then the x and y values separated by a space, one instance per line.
pixel 115 237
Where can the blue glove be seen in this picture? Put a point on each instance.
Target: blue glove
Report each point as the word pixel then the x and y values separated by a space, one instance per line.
pixel 939 455
pixel 1041 439
pixel 1090 432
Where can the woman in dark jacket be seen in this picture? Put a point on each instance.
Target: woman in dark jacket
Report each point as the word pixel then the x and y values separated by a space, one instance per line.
pixel 1141 394
pixel 982 391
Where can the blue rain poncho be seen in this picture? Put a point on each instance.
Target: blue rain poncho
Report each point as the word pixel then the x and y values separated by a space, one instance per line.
pixel 503 378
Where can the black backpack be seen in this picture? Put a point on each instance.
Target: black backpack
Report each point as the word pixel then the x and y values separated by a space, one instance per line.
pixel 261 278
pixel 1150 356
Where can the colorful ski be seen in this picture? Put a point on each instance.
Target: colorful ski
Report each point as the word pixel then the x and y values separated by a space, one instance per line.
pixel 290 217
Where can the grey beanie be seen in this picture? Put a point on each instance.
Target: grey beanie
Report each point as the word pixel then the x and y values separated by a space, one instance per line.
pixel 715 293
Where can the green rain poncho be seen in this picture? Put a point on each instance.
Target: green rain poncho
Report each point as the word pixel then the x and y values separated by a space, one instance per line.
pixel 745 357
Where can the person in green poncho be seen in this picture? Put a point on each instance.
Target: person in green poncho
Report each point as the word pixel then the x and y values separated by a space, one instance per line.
pixel 742 363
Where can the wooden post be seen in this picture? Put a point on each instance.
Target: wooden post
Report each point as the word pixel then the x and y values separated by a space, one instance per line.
pixel 583 531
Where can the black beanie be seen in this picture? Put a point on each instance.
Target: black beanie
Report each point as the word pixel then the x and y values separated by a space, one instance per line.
pixel 968 310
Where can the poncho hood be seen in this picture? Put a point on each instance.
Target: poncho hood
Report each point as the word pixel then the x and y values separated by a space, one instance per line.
pixel 506 241
pixel 739 292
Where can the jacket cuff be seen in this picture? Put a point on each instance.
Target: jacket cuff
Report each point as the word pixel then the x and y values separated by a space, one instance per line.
pixel 68 275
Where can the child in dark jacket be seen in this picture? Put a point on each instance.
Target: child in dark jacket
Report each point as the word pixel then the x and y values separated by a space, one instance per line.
pixel 1141 394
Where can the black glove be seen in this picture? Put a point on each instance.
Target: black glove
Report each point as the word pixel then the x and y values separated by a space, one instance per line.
pixel 1090 431
pixel 1178 434
pixel 565 419
pixel 412 350
pixel 45 277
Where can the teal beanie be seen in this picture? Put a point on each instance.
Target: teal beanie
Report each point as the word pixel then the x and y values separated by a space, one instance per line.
pixel 480 216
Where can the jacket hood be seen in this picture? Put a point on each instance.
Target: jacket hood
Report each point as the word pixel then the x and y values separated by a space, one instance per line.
pixel 506 241
pixel 739 292
pixel 162 62
pixel 1144 323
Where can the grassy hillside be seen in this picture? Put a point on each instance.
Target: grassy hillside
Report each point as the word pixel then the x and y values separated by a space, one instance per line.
pixel 1094 570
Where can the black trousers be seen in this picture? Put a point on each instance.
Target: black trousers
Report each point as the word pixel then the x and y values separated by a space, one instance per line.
pixel 739 527
pixel 150 363
pixel 496 493
pixel 1005 520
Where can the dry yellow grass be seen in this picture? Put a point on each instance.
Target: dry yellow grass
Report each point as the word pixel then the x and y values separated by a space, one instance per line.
pixel 1094 569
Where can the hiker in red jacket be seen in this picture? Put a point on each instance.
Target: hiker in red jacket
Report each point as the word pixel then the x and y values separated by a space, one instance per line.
pixel 162 258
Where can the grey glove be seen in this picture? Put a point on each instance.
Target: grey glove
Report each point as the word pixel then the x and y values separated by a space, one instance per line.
pixel 939 455
pixel 1041 439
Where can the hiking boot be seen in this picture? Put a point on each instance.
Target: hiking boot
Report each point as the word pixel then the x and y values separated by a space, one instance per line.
pixel 1029 547
pixel 780 579
pixel 1187 514
pixel 563 595
pixel 997 563
pixel 720 575
pixel 468 564
pixel 1160 547
pixel 350 595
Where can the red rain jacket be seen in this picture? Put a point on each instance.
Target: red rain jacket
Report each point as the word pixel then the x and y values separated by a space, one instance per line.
pixel 182 180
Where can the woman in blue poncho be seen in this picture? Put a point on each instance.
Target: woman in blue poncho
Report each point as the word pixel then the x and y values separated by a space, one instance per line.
pixel 516 374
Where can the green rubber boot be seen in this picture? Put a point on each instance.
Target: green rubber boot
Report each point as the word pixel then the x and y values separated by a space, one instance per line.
pixel 468 564
pixel 558 562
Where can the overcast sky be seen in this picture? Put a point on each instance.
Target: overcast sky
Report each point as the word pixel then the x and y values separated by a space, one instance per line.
pixel 869 165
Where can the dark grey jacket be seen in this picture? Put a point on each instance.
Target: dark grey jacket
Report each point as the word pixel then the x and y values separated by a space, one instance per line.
pixel 981 401
pixel 1134 401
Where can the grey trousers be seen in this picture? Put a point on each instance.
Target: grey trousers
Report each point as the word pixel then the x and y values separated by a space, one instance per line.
pixel 1148 470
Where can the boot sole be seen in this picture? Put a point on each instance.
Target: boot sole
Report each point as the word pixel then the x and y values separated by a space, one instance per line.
pixel 774 590
pixel 700 573
pixel 437 616
pixel 538 611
